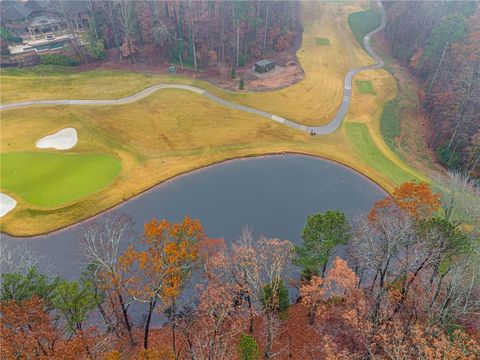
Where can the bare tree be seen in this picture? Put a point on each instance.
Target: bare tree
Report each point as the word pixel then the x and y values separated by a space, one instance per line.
pixel 263 264
pixel 460 196
pixel 102 241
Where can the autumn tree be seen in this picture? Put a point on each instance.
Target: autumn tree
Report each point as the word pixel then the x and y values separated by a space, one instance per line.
pixel 102 243
pixel 263 264
pixel 340 281
pixel 28 330
pixel 163 266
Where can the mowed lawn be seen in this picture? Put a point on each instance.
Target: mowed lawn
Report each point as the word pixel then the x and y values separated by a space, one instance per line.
pixel 47 179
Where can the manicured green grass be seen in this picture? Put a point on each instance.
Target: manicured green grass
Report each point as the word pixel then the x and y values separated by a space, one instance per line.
pixel 322 41
pixel 49 179
pixel 362 142
pixel 390 124
pixel 361 23
pixel 365 87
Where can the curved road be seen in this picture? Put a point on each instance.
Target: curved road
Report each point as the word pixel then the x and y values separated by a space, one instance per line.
pixel 329 128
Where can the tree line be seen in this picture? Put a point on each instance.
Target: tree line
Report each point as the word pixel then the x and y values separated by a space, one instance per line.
pixel 194 34
pixel 440 44
pixel 407 286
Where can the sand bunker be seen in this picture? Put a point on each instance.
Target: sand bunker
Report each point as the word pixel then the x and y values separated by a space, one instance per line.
pixel 7 204
pixel 62 140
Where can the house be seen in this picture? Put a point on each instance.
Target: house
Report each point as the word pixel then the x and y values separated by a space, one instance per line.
pixel 264 66
pixel 33 19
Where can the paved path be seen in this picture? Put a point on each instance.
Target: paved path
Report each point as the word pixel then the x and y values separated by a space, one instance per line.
pixel 329 128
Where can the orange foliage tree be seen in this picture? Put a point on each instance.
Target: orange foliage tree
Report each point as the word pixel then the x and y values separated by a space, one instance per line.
pixel 28 331
pixel 416 199
pixel 162 266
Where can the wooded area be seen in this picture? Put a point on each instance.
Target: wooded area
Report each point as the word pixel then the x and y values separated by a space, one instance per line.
pixel 194 34
pixel 440 43
pixel 407 288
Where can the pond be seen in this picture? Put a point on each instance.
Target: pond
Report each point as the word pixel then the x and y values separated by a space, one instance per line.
pixel 272 195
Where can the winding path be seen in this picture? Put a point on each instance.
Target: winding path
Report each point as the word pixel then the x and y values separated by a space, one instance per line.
pixel 329 128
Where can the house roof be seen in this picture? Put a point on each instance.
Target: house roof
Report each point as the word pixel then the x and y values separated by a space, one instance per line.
pixel 35 5
pixel 263 62
pixel 13 10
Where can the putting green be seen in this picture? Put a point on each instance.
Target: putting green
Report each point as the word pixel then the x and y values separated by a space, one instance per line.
pixel 365 87
pixel 48 179
pixel 322 41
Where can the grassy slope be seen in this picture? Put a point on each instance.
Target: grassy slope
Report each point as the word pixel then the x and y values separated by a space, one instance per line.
pixel 390 124
pixel 51 179
pixel 359 136
pixel 159 137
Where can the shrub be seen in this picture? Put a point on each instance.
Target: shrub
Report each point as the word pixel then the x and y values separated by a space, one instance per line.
pixel 96 49
pixel 241 86
pixel 248 348
pixel 242 61
pixel 5 34
pixel 58 59
pixel 233 74
pixel 448 157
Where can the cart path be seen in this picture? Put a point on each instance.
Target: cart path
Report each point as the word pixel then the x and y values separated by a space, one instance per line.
pixel 328 128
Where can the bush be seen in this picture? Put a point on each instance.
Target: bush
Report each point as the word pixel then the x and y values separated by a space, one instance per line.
pixel 241 86
pixel 248 348
pixel 96 49
pixel 242 61
pixel 58 59
pixel 448 157
pixel 5 34
pixel 233 74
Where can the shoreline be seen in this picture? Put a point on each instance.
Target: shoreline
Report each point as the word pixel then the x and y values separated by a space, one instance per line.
pixel 191 172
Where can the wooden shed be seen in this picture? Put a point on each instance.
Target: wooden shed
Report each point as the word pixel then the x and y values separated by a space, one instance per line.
pixel 264 66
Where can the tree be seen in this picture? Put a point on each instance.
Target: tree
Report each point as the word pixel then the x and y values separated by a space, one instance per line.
pixel 247 348
pixel 21 287
pixel 322 232
pixel 101 243
pixel 416 199
pixel 241 86
pixel 340 281
pixel 263 264
pixel 161 270
pixel 96 50
pixel 74 303
pixel 28 330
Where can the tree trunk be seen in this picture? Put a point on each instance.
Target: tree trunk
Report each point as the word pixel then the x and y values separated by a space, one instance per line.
pixel 266 30
pixel 151 307
pixel 438 68
pixel 125 317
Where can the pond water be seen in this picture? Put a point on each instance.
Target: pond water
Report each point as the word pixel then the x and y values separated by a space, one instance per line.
pixel 272 195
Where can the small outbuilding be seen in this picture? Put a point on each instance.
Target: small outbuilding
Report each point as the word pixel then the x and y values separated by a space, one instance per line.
pixel 264 66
